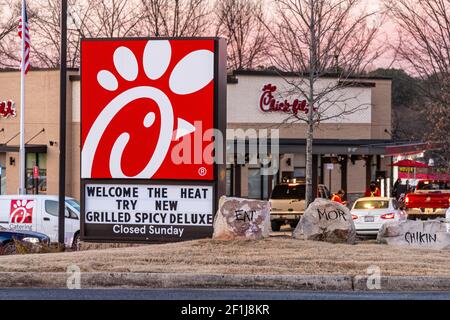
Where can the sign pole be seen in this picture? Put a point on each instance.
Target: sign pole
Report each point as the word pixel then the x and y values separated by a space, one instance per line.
pixel 62 125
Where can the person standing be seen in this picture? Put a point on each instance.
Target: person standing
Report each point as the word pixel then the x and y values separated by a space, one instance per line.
pixel 396 189
pixel 339 197
pixel 373 191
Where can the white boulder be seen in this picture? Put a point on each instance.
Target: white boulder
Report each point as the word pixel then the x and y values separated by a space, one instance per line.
pixel 328 221
pixel 432 234
pixel 242 219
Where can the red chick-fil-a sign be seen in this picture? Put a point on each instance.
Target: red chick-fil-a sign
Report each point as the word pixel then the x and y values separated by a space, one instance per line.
pixel 141 101
pixel 140 98
pixel 268 103
pixel 7 109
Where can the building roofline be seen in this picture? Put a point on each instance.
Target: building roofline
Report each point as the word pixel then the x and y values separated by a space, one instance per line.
pixel 5 70
pixel 267 72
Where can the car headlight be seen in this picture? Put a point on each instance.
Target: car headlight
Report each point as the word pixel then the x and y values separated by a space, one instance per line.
pixel 31 240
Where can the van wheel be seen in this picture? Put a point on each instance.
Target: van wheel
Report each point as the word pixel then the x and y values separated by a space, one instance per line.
pixel 9 249
pixel 76 245
pixel 276 226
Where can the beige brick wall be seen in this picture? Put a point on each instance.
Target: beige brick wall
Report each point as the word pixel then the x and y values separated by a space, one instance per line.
pixel 382 109
pixel 41 112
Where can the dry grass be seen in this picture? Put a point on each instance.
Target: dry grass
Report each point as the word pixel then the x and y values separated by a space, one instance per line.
pixel 280 255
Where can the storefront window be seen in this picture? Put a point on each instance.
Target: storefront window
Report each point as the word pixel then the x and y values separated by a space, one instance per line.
pixel 3 180
pixel 299 173
pixel 229 179
pixel 39 185
pixel 266 194
pixel 254 183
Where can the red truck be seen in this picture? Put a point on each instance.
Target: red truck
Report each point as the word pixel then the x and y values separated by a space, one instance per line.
pixel 430 200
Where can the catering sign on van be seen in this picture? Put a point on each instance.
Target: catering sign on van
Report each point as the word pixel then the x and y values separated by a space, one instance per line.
pixel 17 214
pixel 148 108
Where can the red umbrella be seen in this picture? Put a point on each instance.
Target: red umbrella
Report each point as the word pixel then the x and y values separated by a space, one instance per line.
pixel 410 164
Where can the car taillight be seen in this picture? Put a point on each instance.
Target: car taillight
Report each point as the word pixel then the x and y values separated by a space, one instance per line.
pixel 407 200
pixel 355 217
pixel 388 216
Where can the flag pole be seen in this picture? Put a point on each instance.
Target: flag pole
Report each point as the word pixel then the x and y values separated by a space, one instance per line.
pixel 22 155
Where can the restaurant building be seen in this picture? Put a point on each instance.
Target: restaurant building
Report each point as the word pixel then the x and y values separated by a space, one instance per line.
pixel 349 151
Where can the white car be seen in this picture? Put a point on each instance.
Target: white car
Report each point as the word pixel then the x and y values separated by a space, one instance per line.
pixel 369 214
pixel 39 213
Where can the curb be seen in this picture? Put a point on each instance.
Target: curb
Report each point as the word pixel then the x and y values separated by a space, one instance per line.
pixel 215 281
pixel 192 281
pixel 406 283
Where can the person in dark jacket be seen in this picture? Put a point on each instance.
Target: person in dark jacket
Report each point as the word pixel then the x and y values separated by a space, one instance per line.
pixel 373 190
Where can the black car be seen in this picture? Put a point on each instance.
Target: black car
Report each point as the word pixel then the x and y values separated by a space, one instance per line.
pixel 29 239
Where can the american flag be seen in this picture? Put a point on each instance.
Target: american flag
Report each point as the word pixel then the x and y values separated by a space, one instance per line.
pixel 27 43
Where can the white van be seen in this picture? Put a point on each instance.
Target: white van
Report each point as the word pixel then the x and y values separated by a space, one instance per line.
pixel 39 213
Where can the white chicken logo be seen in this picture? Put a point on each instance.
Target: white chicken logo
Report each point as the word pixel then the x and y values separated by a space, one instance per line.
pixel 193 73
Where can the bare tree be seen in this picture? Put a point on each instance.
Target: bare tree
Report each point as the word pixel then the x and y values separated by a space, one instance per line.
pixel 241 22
pixel 312 38
pixel 175 18
pixel 9 41
pixel 99 18
pixel 424 28
pixel 94 18
pixel 114 18
pixel 7 21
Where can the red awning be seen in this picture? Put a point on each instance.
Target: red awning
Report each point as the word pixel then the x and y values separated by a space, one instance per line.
pixel 410 164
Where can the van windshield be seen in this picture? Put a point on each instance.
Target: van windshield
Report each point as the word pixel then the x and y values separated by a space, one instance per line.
pixel 75 204
pixel 289 192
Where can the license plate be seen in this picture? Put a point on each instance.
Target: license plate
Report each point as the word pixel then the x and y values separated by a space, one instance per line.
pixel 369 219
pixel 429 210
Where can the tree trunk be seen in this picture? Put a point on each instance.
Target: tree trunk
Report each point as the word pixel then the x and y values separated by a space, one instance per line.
pixel 309 164
pixel 309 197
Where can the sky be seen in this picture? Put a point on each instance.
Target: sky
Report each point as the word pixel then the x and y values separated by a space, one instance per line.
pixel 387 33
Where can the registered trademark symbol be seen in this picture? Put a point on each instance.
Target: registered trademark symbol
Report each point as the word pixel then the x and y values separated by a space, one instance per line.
pixel 202 172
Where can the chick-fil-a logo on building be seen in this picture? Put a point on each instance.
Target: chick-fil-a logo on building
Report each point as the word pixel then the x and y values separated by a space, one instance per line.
pixel 8 109
pixel 139 99
pixel 268 103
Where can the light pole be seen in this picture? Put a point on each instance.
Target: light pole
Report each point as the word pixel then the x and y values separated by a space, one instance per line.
pixel 62 125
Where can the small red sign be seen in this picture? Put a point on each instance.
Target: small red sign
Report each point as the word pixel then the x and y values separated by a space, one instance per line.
pixel 36 172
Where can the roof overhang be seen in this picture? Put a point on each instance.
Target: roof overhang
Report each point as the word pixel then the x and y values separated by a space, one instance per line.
pixel 29 148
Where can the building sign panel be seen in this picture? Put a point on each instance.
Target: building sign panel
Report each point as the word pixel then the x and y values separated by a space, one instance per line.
pixel 145 105
pixel 271 99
